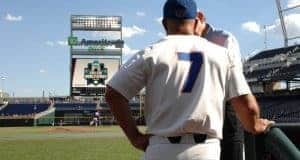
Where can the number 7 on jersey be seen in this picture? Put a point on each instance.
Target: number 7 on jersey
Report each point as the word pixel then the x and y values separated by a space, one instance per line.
pixel 196 59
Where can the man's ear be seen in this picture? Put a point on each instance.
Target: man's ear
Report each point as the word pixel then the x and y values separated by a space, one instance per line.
pixel 199 24
pixel 198 27
pixel 201 16
pixel 164 23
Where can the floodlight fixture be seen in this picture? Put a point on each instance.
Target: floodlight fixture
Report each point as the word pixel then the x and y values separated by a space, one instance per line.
pixel 96 23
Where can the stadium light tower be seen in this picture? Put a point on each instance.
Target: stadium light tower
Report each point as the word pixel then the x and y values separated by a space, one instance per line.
pixel 281 17
pixel 265 37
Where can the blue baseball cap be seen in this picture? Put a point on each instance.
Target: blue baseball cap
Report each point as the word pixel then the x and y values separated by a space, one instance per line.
pixel 180 9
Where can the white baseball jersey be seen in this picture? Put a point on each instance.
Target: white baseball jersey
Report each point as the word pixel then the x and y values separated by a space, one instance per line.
pixel 187 80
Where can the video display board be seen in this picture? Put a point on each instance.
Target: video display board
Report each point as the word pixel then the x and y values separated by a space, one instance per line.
pixel 90 75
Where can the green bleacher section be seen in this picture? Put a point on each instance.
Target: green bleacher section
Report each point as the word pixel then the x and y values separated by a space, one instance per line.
pixel 45 120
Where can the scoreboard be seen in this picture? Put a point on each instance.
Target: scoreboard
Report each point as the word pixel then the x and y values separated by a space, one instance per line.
pixel 94 58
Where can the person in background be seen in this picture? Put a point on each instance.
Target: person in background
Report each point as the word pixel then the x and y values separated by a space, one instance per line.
pixel 233 133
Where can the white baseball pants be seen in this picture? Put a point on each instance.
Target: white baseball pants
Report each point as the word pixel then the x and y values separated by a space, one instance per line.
pixel 161 149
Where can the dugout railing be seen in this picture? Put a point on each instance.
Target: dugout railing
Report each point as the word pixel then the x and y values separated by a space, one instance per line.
pixel 281 142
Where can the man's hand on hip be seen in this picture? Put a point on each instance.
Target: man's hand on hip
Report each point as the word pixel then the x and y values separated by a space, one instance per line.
pixel 141 141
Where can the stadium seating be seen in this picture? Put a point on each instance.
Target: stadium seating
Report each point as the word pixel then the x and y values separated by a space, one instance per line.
pixel 75 106
pixel 257 73
pixel 23 109
pixel 281 108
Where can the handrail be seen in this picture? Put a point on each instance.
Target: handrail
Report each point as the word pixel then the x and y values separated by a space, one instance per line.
pixel 3 105
pixel 278 144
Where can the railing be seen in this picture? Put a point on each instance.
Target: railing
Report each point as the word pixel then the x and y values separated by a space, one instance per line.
pixel 61 121
pixel 274 145
pixel 33 100
pixel 279 145
pixel 2 106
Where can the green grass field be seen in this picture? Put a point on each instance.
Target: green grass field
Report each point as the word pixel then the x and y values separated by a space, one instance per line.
pixel 65 143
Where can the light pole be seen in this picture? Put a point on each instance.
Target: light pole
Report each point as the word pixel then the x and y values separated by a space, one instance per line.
pixel 266 28
pixel 282 21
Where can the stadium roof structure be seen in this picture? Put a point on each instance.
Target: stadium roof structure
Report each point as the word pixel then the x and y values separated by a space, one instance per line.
pixel 276 74
pixel 283 70
pixel 273 52
pixel 289 73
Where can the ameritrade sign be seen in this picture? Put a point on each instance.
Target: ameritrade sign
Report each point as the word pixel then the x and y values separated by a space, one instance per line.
pixel 73 41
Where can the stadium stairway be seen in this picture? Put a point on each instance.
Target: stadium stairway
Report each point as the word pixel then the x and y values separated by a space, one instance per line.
pixel 46 117
pixel 44 113
pixel 3 105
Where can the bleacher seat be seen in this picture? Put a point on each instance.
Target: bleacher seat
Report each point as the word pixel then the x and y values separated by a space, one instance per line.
pixel 75 106
pixel 281 109
pixel 23 109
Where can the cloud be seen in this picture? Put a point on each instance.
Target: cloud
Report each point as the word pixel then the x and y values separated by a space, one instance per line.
pixel 12 18
pixel 62 43
pixel 292 3
pixel 140 14
pixel 3 77
pixel 159 20
pixel 49 43
pixel 292 24
pixel 56 43
pixel 128 32
pixel 161 34
pixel 128 52
pixel 251 26
pixel 42 71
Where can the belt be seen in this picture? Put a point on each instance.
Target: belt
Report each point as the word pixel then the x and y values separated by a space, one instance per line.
pixel 185 139
pixel 198 138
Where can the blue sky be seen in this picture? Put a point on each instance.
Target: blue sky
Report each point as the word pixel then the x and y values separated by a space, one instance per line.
pixel 34 55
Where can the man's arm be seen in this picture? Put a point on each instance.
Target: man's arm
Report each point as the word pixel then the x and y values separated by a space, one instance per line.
pixel 248 112
pixel 120 110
